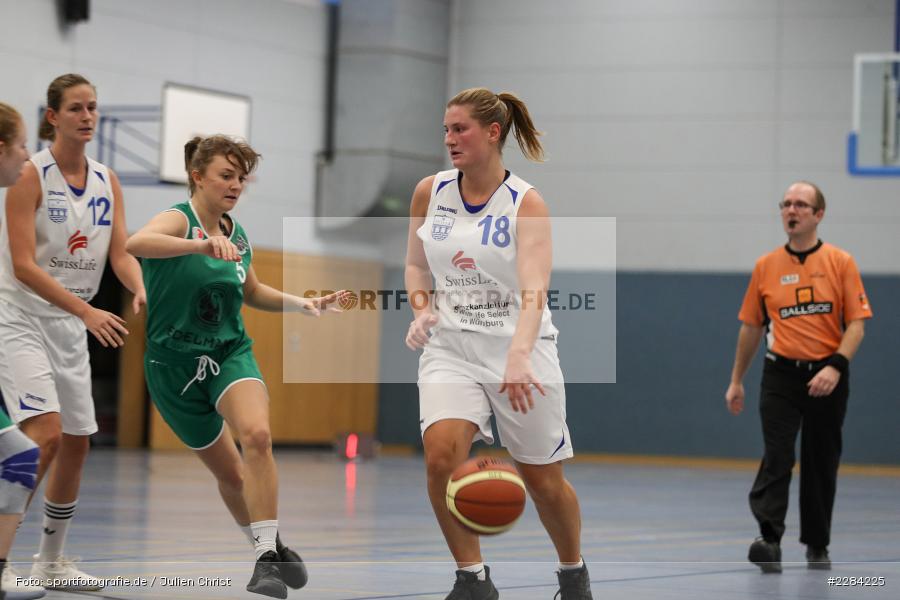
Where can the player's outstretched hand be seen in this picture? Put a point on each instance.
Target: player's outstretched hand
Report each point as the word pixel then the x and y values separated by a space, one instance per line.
pixel 417 336
pixel 314 307
pixel 518 381
pixel 734 398
pixel 219 246
pixel 108 328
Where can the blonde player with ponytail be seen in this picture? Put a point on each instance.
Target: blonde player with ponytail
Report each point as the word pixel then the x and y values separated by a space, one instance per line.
pixel 64 217
pixel 479 237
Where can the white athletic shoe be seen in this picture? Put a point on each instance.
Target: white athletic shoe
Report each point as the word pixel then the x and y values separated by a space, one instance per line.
pixel 14 586
pixel 62 574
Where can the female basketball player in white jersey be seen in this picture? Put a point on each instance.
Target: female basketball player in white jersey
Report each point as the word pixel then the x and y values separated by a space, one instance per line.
pixel 480 237
pixel 64 217
pixel 18 454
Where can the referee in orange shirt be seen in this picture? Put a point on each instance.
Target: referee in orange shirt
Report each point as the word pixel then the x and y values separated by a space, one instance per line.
pixel 808 298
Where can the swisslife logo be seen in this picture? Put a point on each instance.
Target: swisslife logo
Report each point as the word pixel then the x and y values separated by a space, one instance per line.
pixel 463 263
pixel 77 241
pixel 473 278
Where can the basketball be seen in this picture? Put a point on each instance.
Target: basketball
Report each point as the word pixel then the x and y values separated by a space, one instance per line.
pixel 486 495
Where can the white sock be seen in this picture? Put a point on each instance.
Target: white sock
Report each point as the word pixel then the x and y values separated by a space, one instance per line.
pixel 57 518
pixel 477 568
pixel 264 533
pixel 571 567
pixel 248 532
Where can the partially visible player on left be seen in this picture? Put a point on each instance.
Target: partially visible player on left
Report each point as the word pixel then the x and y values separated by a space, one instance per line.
pixel 64 217
pixel 18 454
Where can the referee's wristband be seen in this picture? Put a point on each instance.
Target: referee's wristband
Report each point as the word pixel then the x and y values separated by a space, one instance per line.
pixel 839 362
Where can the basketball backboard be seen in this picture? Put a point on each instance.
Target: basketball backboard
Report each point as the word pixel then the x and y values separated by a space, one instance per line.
pixel 873 146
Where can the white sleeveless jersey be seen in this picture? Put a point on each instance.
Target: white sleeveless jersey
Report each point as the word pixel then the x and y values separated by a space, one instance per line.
pixel 472 255
pixel 72 235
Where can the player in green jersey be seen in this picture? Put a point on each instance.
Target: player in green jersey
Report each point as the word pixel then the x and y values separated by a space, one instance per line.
pixel 199 363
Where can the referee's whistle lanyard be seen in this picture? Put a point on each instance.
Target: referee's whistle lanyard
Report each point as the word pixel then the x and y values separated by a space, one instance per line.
pixel 202 362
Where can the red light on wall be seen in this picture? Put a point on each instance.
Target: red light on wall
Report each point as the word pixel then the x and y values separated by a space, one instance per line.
pixel 356 446
pixel 351 446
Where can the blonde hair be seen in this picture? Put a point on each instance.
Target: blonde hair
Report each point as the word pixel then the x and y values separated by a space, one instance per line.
pixel 508 111
pixel 200 151
pixel 10 122
pixel 55 92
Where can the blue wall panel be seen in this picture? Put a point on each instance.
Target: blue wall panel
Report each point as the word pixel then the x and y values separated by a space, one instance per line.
pixel 676 335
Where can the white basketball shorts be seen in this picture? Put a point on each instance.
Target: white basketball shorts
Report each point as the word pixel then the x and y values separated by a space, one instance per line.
pixel 460 373
pixel 44 367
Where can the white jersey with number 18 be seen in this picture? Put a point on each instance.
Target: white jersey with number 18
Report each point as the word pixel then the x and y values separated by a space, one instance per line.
pixel 471 251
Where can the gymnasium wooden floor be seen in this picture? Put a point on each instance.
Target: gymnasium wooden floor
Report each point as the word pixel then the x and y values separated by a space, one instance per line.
pixel 367 532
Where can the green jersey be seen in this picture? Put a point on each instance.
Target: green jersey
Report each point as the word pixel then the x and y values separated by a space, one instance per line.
pixel 194 301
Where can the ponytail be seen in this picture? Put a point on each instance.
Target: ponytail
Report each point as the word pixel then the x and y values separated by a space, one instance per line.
pixel 508 111
pixel 525 131
pixel 46 131
pixel 190 149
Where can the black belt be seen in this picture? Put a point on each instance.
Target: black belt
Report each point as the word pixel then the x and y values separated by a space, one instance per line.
pixel 802 365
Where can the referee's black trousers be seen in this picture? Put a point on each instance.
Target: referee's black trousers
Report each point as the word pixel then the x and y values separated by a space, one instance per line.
pixel 786 408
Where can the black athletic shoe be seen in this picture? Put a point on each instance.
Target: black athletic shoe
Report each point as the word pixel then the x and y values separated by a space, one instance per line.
pixel 293 571
pixel 266 578
pixel 469 587
pixel 765 555
pixel 574 584
pixel 817 558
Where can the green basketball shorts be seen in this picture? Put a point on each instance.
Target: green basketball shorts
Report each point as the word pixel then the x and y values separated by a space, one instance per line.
pixel 186 390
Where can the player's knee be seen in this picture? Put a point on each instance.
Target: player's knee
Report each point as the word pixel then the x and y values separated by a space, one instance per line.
pixel 49 438
pixel 543 492
pixel 543 484
pixel 440 461
pixel 257 439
